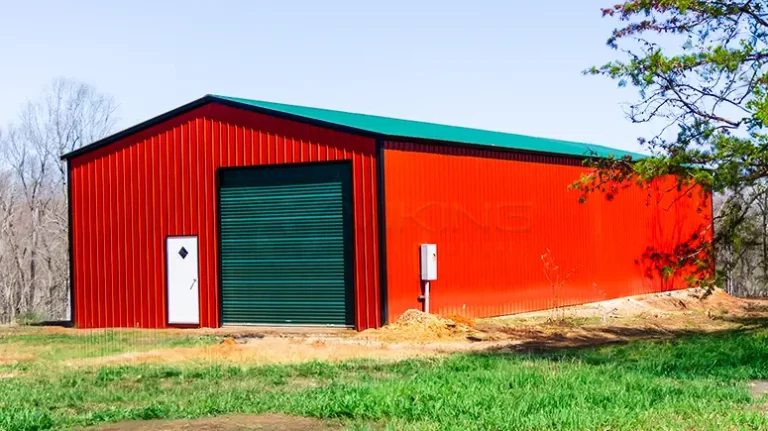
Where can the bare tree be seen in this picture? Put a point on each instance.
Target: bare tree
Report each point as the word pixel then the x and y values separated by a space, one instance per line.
pixel 33 220
pixel 744 261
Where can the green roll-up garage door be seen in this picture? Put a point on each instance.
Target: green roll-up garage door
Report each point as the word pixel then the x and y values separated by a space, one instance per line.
pixel 286 245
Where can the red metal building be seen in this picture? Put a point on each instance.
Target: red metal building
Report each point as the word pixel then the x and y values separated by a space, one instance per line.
pixel 235 211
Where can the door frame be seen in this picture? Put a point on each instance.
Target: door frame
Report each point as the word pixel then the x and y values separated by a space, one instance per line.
pixel 167 284
pixel 350 255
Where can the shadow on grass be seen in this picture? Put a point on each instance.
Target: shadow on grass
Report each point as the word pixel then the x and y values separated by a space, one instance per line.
pixel 657 379
pixel 746 322
pixel 733 354
pixel 536 341
pixel 556 338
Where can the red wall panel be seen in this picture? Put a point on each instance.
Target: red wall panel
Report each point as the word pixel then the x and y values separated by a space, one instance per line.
pixel 494 214
pixel 127 197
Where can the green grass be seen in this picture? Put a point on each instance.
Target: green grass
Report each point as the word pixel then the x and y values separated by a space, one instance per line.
pixel 51 348
pixel 696 382
pixel 107 338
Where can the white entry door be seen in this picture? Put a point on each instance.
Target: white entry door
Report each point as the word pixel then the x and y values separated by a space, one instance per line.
pixel 183 291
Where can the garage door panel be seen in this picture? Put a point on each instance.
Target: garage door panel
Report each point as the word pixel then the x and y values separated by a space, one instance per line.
pixel 286 245
pixel 285 250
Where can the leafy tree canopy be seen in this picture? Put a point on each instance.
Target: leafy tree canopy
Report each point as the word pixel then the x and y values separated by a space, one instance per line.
pixel 699 66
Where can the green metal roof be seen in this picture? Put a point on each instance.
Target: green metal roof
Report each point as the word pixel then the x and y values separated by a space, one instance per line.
pixel 397 128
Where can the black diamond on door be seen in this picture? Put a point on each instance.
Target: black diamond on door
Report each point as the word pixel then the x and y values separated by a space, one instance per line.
pixel 183 252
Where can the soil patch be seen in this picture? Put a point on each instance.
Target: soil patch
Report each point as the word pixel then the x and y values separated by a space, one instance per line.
pixel 651 306
pixel 758 388
pixel 8 356
pixel 417 334
pixel 268 350
pixel 269 422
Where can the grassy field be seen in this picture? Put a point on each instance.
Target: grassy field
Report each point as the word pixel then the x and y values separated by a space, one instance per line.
pixel 693 382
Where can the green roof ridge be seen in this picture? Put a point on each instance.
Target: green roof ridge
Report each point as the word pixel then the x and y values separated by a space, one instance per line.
pixel 400 128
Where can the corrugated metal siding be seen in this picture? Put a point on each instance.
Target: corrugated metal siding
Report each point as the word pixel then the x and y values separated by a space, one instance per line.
pixel 493 214
pixel 129 196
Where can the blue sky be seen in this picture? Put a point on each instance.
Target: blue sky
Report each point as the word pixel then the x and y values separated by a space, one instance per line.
pixel 503 65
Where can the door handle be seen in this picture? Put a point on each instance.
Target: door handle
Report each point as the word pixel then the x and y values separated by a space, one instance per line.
pixel 193 284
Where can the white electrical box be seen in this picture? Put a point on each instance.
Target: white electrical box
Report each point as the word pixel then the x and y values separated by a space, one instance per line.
pixel 428 262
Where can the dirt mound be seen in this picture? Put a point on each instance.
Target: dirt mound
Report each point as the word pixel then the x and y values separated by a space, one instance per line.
pixel 721 300
pixel 654 305
pixel 694 300
pixel 417 326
